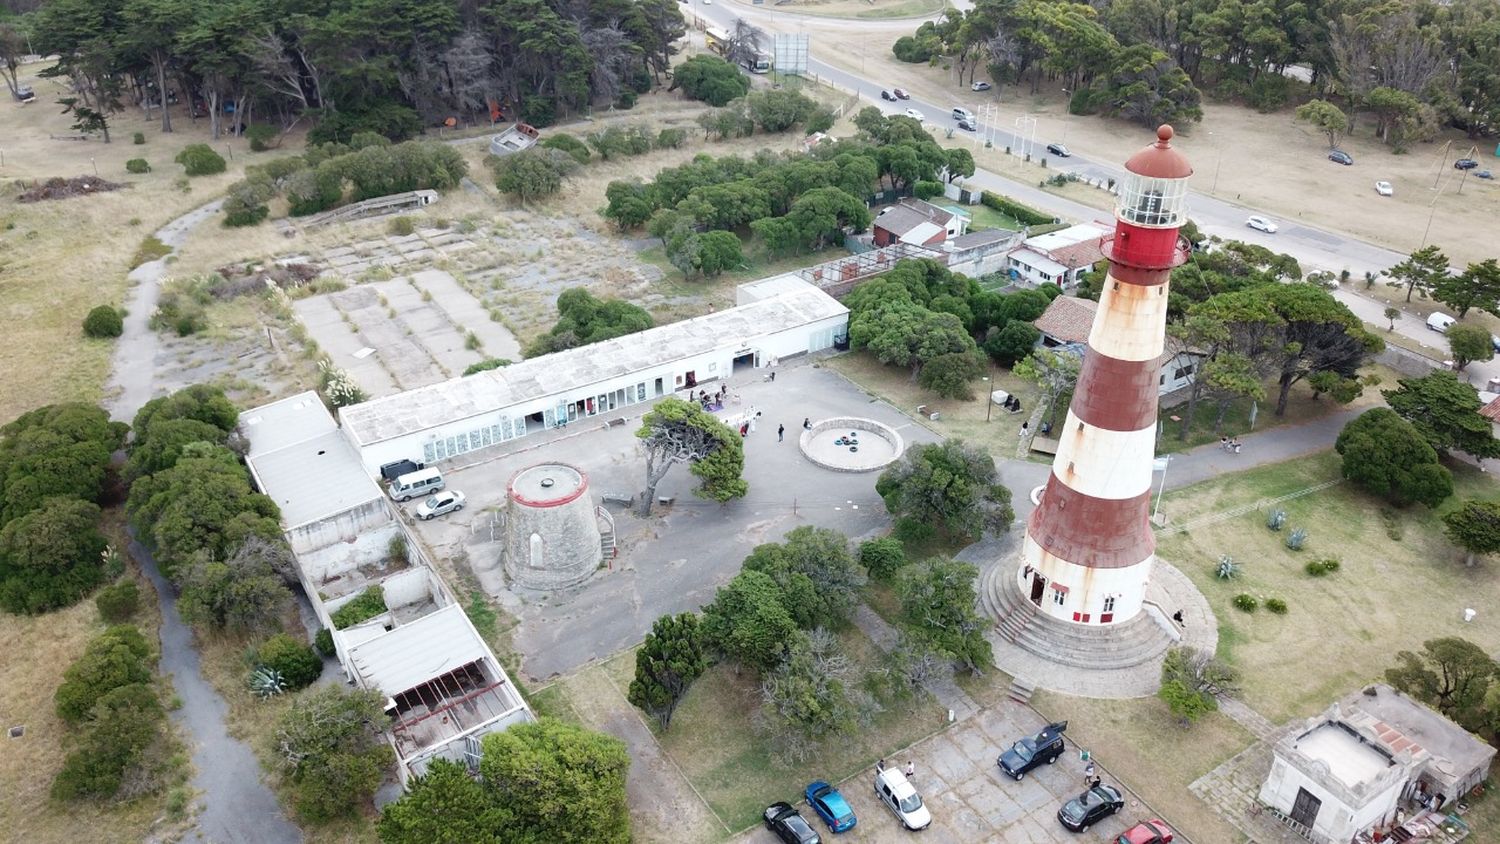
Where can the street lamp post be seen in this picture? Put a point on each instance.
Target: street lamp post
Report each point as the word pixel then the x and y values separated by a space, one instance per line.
pixel 1067 102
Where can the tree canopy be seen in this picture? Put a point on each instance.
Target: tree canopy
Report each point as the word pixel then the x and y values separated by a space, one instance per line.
pixel 710 79
pixel 949 486
pixel 1474 527
pixel 817 573
pixel 50 557
pixel 1451 675
pixel 1445 411
pixel 938 596
pixel 677 431
pixel 583 319
pixel 57 450
pixel 666 664
pixel 1387 456
pixel 749 623
pixel 558 782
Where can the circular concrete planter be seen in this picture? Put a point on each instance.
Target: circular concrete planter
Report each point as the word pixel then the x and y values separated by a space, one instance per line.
pixel 828 443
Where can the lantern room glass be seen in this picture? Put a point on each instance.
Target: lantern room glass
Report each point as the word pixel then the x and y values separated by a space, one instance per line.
pixel 1146 201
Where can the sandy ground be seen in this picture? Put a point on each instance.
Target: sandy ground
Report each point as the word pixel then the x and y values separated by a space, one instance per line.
pixel 1265 161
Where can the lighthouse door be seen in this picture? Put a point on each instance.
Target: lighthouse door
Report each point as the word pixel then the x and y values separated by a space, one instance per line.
pixel 1038 585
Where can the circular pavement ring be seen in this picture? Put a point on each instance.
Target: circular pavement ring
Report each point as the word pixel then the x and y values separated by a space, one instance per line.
pixel 825 444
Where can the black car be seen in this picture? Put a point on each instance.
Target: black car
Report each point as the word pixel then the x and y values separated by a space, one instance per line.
pixel 967 125
pixel 1058 150
pixel 789 826
pixel 1090 807
pixel 1338 156
pixel 396 469
pixel 1465 164
pixel 1032 751
pixel 887 95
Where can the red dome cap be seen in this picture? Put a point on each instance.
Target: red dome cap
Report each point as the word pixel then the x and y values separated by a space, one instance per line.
pixel 1160 161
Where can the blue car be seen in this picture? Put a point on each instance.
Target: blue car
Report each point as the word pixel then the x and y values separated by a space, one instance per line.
pixel 830 806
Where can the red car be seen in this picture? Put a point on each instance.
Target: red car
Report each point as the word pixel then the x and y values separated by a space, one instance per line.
pixel 1153 831
pixel 900 94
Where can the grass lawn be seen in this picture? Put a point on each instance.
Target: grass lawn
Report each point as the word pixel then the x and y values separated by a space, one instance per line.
pixel 1142 744
pixel 720 291
pixel 863 10
pixel 1400 582
pixel 984 217
pixel 714 743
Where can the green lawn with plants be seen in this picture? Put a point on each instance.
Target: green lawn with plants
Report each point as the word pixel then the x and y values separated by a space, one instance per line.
pixel 1398 582
pixel 983 218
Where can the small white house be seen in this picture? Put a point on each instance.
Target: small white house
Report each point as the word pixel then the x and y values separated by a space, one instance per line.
pixel 1058 257
pixel 1375 761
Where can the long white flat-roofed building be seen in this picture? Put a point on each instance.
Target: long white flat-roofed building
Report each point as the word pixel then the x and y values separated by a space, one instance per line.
pixel 777 318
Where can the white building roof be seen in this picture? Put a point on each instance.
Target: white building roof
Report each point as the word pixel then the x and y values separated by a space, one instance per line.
pixel 422 650
pixel 314 479
pixel 282 423
pixel 1038 261
pixel 921 233
pixel 769 288
pixel 1351 761
pixel 486 392
pixel 1066 237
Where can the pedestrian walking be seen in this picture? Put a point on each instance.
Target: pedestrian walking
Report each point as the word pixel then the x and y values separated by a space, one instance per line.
pixel 1025 429
pixel 1177 617
pixel 1235 445
pixel 780 433
pixel 1095 782
pixel 1088 772
pixel 880 766
pixel 773 376
pixel 911 769
pixel 1224 443
pixel 807 423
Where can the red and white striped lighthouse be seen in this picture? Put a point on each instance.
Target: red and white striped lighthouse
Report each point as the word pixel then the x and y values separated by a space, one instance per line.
pixel 1088 550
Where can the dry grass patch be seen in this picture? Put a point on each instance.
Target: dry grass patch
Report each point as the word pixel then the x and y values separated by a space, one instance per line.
pixel 863 9
pixel 1399 584
pixel 1140 742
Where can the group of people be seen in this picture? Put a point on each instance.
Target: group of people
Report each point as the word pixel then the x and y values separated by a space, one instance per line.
pixel 911 768
pixel 1229 444
pixel 715 401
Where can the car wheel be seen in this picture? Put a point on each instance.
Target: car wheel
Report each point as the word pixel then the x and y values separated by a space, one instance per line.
pixel 458 507
pixel 1052 760
pixel 1084 828
pixel 426 518
pixel 1020 776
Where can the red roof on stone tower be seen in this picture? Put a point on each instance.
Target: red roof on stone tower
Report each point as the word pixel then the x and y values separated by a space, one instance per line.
pixel 1160 160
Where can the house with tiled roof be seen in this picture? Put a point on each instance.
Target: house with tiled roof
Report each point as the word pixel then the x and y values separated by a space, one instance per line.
pixel 1067 322
pixel 918 223
pixel 1375 766
pixel 1058 257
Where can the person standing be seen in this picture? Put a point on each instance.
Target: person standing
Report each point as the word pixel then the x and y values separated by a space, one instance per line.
pixel 807 423
pixel 911 769
pixel 780 433
pixel 1088 773
pixel 880 766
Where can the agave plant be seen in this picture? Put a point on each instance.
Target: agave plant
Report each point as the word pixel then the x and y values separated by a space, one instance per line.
pixel 1227 569
pixel 1295 539
pixel 1275 519
pixel 267 682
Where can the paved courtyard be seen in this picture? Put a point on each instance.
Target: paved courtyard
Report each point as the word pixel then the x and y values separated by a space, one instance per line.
pixel 676 559
pixel 970 799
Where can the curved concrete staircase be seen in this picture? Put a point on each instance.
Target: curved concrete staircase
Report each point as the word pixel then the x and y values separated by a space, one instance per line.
pixel 1020 622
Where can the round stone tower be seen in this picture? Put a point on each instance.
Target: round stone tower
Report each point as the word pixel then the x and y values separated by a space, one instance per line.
pixel 551 532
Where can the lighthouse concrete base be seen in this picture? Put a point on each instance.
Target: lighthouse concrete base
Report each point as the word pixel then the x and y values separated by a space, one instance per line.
pixel 1114 661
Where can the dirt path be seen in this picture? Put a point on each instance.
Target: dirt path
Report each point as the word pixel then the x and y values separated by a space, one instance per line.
pixel 663 803
pixel 132 383
pixel 236 805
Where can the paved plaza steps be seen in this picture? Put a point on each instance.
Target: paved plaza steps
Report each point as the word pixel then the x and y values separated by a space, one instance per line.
pixel 1020 622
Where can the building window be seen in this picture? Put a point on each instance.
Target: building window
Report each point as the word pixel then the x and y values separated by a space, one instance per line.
pixel 1058 597
pixel 1162 381
pixel 1109 604
pixel 1182 373
pixel 1106 617
pixel 429 454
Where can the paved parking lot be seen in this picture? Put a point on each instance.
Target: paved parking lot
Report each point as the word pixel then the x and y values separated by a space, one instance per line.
pixel 970 799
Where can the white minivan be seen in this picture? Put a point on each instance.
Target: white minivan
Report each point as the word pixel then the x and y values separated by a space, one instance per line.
pixel 1440 322
pixel 896 792
pixel 962 114
pixel 416 484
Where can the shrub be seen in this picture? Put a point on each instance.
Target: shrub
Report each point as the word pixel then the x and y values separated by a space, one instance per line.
pixel 113 756
pixel 670 138
pixel 1276 519
pixel 1319 568
pixel 1227 569
pixel 1296 539
pixel 1245 602
pixel 401 226
pixel 119 602
pixel 927 190
pixel 563 142
pixel 297 663
pixel 538 110
pixel 117 657
pixel 200 160
pixel 369 604
pixel 1331 564
pixel 913 50
pixel 267 682
pixel 882 558
pixel 1024 214
pixel 50 557
pixel 246 216
pixel 1268 92
pixel 323 642
pixel 1276 605
pixel 137 165
pixel 103 321
pixel 389 119
pixel 138 138
pixel 486 365
pixel 260 136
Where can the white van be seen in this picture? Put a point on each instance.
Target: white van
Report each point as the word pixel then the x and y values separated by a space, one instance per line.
pixel 962 114
pixel 894 790
pixel 1440 322
pixel 415 484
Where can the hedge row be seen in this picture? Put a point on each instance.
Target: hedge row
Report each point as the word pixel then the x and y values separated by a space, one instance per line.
pixel 1027 215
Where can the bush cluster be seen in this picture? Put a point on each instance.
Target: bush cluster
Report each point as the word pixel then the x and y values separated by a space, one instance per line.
pixel 1319 568
pixel 1245 602
pixel 369 604
pixel 297 663
pixel 1276 605
pixel 201 160
pixel 137 165
pixel 118 603
pixel 103 321
pixel 1024 214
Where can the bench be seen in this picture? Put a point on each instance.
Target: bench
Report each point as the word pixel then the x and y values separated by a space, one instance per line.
pixel 615 423
pixel 1043 445
pixel 618 498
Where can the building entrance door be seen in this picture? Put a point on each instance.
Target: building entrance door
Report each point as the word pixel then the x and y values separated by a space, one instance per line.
pixel 1305 810
pixel 1038 586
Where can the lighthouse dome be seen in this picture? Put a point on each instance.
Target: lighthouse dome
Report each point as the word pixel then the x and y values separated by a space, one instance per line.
pixel 1160 160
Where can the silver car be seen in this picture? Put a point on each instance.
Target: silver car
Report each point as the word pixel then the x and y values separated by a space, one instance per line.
pixel 447 501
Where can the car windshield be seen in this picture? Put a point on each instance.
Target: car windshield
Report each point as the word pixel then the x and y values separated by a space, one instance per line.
pixel 432 502
pixel 910 803
pixel 1025 748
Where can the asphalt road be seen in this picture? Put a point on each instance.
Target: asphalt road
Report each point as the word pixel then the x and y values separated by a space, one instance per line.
pixel 1314 248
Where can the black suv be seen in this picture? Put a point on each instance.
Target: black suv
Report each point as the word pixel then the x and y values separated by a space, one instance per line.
pixel 789 826
pixel 1032 751
pixel 1465 164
